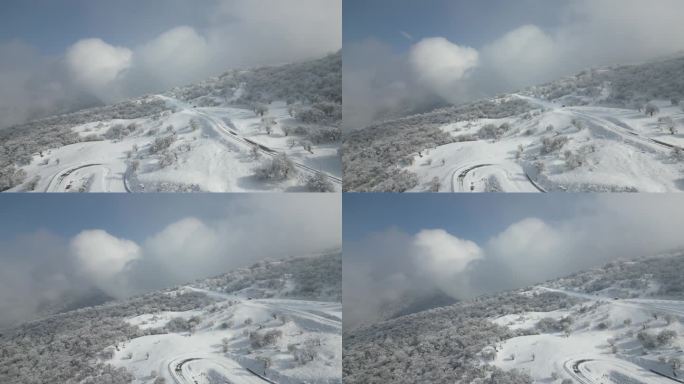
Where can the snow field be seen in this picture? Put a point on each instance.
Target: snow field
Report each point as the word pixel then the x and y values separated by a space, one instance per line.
pixel 558 148
pixel 210 150
pixel 601 342
pixel 225 342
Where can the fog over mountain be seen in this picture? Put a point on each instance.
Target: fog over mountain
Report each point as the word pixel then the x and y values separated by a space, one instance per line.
pixel 430 63
pixel 484 244
pixel 49 268
pixel 117 52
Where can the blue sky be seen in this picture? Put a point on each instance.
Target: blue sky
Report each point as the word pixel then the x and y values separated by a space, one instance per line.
pixel 466 22
pixel 52 26
pixel 471 216
pixel 130 216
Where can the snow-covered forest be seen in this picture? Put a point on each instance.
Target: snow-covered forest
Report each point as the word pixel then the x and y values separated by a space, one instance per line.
pixel 374 157
pixel 278 320
pixel 273 128
pixel 621 322
pixel 440 345
pixel 606 129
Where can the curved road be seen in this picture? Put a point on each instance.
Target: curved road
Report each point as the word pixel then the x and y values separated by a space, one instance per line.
pixel 458 184
pixel 609 123
pixel 264 150
pixel 621 129
pixel 182 373
pixel 592 370
pixel 673 307
pixel 459 176
pixel 191 368
pixel 56 182
pixel 604 370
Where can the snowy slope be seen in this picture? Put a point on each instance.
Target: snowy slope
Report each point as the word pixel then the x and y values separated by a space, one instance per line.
pixel 598 344
pixel 222 341
pixel 614 149
pixel 251 325
pixel 207 137
pixel 592 132
pixel 620 323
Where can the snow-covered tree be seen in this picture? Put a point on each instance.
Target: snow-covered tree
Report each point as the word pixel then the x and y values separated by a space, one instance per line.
pixel 279 168
pixel 319 182
pixel 260 109
pixel 651 109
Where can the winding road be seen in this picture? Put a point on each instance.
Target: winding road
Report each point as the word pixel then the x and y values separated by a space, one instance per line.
pixel 601 370
pixel 673 307
pixel 596 369
pixel 465 179
pixel 194 367
pixel 264 150
pixel 594 118
pixel 182 371
pixel 100 175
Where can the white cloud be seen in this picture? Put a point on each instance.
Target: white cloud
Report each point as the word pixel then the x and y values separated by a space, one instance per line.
pixel 531 249
pixel 235 34
pixel 95 64
pixel 396 266
pixel 249 32
pixel 614 30
pixel 188 248
pixel 522 54
pixel 104 259
pixel 443 258
pixel 387 270
pixel 441 64
pixel 593 33
pixel 440 254
pixel 177 56
pixel 589 33
pixel 253 229
pixel 40 270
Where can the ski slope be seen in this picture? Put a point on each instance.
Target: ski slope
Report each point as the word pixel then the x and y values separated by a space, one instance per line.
pixel 620 150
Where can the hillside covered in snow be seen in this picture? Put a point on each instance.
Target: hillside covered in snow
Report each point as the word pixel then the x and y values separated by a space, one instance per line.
pixel 265 129
pixel 620 323
pixel 276 321
pixel 616 129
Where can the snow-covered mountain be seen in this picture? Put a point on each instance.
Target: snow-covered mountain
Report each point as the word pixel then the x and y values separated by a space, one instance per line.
pixel 608 129
pixel 276 321
pixel 621 323
pixel 266 129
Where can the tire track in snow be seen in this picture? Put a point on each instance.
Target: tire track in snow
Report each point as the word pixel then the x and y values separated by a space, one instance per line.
pixel 581 370
pixel 59 177
pixel 236 374
pixel 458 179
pixel 262 148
